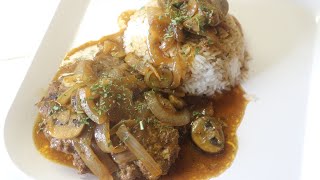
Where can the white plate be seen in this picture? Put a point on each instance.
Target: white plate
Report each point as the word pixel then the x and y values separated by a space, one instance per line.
pixel 282 39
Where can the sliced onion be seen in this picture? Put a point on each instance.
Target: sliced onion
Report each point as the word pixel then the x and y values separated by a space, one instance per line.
pixel 128 123
pixel 69 129
pixel 76 103
pixel 165 115
pixel 179 69
pixel 176 73
pixel 92 161
pixel 89 107
pixel 105 158
pixel 139 151
pixel 113 48
pixel 136 63
pixel 102 137
pixel 65 97
pixel 124 157
pixel 82 147
pixel 84 68
pixel 156 32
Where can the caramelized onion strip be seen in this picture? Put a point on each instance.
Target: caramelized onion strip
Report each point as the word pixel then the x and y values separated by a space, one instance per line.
pixel 102 137
pixel 65 97
pixel 83 148
pixel 124 157
pixel 166 116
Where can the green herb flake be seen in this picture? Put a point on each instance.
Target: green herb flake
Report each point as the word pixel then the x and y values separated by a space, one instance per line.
pixel 84 120
pixel 210 41
pixel 196 113
pixel 197 50
pixel 167 35
pixel 56 108
pixel 139 107
pixel 90 98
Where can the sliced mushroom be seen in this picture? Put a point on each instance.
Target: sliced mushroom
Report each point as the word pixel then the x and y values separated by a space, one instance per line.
pixel 196 14
pixel 214 11
pixel 65 125
pixel 207 134
pixel 222 5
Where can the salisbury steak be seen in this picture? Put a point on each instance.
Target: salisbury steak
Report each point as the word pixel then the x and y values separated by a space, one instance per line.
pixel 160 141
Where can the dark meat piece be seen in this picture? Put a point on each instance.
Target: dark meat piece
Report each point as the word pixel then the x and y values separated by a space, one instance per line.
pixel 46 103
pixel 79 164
pixel 161 142
pixel 128 171
pixel 126 90
pixel 64 146
pixel 53 90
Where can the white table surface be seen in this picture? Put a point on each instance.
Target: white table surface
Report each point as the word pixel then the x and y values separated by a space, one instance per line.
pixel 23 25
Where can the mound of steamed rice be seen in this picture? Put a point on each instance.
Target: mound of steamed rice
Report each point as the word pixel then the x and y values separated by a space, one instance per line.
pixel 211 71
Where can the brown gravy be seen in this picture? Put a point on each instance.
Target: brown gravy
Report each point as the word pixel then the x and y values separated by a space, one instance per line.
pixel 192 163
pixel 43 146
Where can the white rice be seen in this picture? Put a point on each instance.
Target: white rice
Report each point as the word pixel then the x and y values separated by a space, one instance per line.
pixel 208 73
pixel 136 35
pixel 204 81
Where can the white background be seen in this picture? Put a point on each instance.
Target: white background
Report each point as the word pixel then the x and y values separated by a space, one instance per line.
pixel 22 27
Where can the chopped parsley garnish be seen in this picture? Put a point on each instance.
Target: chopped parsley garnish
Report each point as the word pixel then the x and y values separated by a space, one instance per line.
pixel 139 107
pixel 196 113
pixel 179 19
pixel 197 50
pixel 56 108
pixel 167 35
pixel 85 120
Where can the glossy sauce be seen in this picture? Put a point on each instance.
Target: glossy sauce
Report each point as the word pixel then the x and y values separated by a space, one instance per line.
pixel 43 146
pixel 192 163
pixel 195 164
